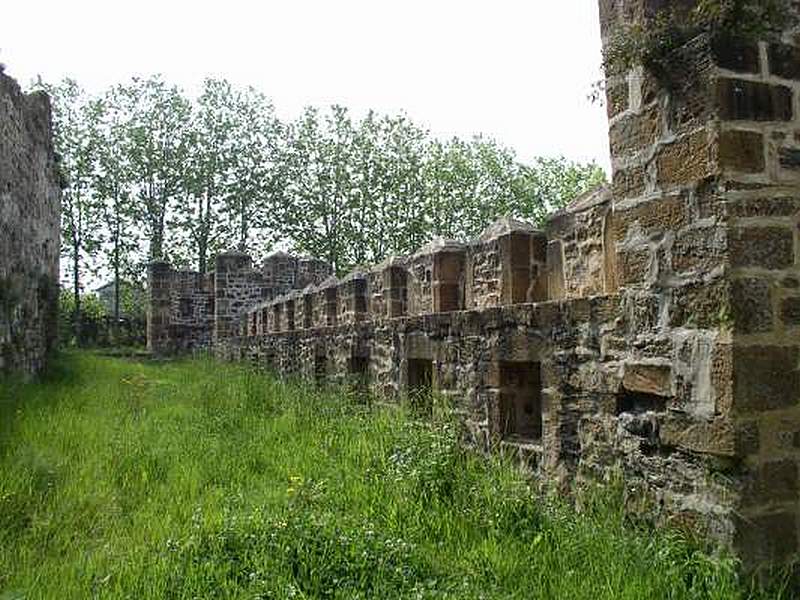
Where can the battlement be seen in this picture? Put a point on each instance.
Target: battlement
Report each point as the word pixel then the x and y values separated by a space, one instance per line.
pixel 651 329
pixel 190 311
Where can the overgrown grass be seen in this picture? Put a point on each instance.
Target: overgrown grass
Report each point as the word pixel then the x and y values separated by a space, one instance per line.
pixel 198 480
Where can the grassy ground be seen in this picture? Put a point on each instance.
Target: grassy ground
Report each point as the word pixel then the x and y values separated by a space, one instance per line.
pixel 197 480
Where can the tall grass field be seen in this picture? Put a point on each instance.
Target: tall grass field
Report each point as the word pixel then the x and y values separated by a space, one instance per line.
pixel 194 479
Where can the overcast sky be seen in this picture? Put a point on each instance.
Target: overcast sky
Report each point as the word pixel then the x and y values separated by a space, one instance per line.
pixel 516 70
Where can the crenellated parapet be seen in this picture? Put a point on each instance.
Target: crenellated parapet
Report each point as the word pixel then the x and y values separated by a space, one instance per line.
pixel 649 330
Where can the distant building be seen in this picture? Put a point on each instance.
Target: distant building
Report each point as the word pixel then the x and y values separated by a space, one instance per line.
pixel 131 301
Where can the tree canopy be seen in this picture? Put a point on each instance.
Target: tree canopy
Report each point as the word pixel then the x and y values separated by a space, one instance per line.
pixel 155 174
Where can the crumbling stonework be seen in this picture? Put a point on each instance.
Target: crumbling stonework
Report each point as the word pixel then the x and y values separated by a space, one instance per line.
pixel 650 331
pixel 189 311
pixel 29 230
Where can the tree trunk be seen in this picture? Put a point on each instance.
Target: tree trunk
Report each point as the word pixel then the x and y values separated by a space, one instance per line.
pixel 76 290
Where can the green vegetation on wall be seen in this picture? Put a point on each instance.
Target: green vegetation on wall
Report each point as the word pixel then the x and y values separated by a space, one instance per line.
pixel 652 42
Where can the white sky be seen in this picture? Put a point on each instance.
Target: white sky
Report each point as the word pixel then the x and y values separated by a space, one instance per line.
pixel 516 70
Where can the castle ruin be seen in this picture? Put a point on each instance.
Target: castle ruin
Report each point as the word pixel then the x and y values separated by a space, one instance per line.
pixel 651 329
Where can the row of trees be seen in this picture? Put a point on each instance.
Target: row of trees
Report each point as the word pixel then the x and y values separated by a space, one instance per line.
pixel 153 174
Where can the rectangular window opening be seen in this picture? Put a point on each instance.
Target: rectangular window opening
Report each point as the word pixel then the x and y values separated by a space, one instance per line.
pixel 639 402
pixel 186 308
pixel 420 383
pixel 320 368
pixel 520 398
pixel 359 375
pixel 308 311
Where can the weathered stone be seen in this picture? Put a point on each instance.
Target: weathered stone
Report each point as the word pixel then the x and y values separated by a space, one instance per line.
pixel 765 378
pixel 765 207
pixel 699 249
pixel 747 438
pixel 767 538
pixel 790 311
pixel 686 160
pixel 635 132
pixel 29 230
pixel 648 379
pixel 715 437
pixel 628 183
pixel 784 61
pixel 633 266
pixel 751 305
pixel 736 55
pixel 742 151
pixel 653 217
pixel 765 247
pixel 774 481
pixel 699 305
pixel 741 100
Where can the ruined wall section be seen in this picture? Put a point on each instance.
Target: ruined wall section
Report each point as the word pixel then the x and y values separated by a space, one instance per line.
pixel 705 223
pixel 758 103
pixel 180 315
pixel 651 331
pixel 581 254
pixel 29 230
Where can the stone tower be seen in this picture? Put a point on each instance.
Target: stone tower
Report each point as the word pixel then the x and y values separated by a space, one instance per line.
pixel 706 185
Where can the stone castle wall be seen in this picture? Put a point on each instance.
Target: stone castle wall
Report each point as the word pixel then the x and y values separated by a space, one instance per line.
pixel 190 311
pixel 29 230
pixel 651 330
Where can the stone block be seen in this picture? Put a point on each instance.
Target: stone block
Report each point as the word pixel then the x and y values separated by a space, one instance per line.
pixel 653 217
pixel 736 55
pixel 747 438
pixel 784 61
pixel 765 247
pixel 635 132
pixel 686 160
pixel 766 538
pixel 699 305
pixel 740 100
pixel 764 207
pixel 774 481
pixel 765 378
pixel 448 266
pixel 633 266
pixel 648 379
pixel 715 437
pixel 628 183
pixel 742 151
pixel 699 249
pixel 790 311
pixel 751 305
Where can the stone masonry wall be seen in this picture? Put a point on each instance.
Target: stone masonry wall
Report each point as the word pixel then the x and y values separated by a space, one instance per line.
pixel 651 331
pixel 188 310
pixel 706 229
pixel 29 230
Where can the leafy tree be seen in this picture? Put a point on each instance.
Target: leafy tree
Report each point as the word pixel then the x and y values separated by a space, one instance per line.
pixel 112 182
pixel 551 183
pixel 206 174
pixel 157 145
pixel 193 177
pixel 315 211
pixel 258 175
pixel 76 124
